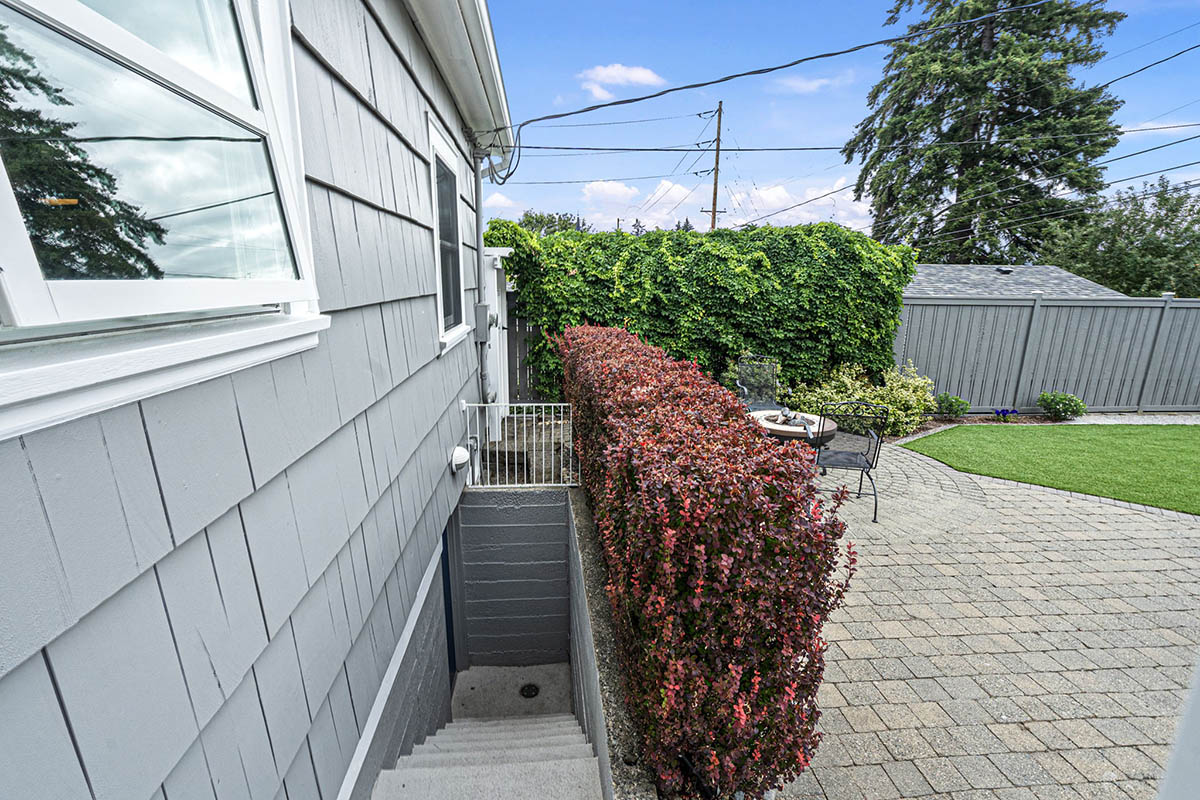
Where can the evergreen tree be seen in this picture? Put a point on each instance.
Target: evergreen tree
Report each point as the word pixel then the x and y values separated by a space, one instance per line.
pixel 638 227
pixel 1003 86
pixel 78 226
pixel 686 225
pixel 1140 242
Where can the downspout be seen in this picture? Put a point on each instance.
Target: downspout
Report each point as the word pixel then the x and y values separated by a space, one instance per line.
pixel 481 337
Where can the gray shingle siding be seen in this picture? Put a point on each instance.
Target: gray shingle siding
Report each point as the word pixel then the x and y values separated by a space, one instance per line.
pixel 204 589
pixel 984 280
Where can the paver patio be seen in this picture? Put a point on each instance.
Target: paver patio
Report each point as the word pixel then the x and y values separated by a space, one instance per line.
pixel 1006 642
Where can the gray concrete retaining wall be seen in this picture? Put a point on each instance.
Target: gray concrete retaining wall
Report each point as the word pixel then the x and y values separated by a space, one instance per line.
pixel 514 572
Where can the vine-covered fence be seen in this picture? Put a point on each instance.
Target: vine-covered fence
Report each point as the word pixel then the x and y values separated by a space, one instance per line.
pixel 1116 354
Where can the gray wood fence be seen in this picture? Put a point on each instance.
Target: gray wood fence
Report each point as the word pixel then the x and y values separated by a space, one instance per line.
pixel 520 336
pixel 1116 354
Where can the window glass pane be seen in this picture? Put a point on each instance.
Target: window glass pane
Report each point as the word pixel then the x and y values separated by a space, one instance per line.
pixel 200 34
pixel 447 233
pixel 119 178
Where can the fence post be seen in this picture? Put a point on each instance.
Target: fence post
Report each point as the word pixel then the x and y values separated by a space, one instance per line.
pixel 1033 335
pixel 1159 337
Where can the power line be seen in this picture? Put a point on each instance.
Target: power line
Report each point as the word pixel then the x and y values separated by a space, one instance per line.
pixel 631 121
pixel 603 180
pixel 799 148
pixel 501 179
pixel 938 237
pixel 1103 86
pixel 646 205
pixel 1036 181
pixel 796 205
pixel 1061 213
pixel 686 147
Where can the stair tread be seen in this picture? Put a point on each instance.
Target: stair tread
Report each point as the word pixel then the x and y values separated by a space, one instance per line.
pixel 446 744
pixel 525 733
pixel 568 779
pixel 524 718
pixel 433 758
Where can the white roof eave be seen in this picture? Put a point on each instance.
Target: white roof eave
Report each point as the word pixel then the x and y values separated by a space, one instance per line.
pixel 459 36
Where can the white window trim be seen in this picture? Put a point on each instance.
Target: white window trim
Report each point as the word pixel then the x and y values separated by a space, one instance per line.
pixel 440 147
pixel 45 383
pixel 81 365
pixel 27 299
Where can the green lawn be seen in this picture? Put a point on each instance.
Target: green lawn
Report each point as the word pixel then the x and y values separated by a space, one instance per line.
pixel 1156 465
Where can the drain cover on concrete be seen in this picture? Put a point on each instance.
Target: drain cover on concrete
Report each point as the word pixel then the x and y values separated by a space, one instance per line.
pixel 529 691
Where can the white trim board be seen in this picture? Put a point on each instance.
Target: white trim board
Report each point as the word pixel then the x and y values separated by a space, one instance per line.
pixel 43 383
pixel 371 728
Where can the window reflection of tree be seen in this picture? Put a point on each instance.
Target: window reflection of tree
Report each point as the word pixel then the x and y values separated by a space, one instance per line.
pixel 78 226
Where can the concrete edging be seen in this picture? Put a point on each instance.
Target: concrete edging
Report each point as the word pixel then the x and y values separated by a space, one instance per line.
pixel 599 687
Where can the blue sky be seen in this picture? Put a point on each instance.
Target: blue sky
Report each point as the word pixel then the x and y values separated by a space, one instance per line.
pixel 561 56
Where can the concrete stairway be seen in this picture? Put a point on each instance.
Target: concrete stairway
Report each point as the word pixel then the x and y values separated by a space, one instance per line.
pixel 497 758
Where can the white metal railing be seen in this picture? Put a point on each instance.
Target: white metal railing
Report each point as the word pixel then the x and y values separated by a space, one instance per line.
pixel 521 444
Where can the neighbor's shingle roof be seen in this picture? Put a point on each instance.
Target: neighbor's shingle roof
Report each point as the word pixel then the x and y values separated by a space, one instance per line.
pixel 958 280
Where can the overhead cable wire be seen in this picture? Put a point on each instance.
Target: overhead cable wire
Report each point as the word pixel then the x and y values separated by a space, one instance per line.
pixel 950 235
pixel 801 148
pixel 700 114
pixel 1064 193
pixel 606 180
pixel 796 205
pixel 503 178
pixel 647 204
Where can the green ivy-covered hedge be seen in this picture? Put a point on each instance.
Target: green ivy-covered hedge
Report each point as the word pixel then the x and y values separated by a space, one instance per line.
pixel 814 296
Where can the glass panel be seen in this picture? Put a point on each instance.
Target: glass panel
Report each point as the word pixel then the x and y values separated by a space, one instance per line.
pixel 119 178
pixel 200 34
pixel 447 222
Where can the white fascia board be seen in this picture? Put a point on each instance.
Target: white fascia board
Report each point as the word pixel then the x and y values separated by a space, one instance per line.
pixel 459 36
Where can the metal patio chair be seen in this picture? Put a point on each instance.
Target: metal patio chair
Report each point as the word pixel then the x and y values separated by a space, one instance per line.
pixel 856 445
pixel 758 380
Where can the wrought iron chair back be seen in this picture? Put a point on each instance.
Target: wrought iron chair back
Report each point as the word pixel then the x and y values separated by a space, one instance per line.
pixel 758 381
pixel 857 443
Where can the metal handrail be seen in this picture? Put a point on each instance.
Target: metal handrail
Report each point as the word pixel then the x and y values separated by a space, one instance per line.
pixel 521 444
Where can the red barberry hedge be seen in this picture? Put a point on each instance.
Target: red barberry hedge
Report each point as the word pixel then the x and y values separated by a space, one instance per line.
pixel 723 563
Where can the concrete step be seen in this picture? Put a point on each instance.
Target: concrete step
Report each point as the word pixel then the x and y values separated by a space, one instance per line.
pixel 525 731
pixel 529 719
pixel 450 758
pixel 509 726
pixel 445 744
pixel 571 779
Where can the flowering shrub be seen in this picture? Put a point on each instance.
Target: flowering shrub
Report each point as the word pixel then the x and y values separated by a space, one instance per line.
pixel 907 394
pixel 1005 413
pixel 1061 406
pixel 723 564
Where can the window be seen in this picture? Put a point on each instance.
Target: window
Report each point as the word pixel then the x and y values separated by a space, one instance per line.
pixel 151 189
pixel 447 244
pixel 139 176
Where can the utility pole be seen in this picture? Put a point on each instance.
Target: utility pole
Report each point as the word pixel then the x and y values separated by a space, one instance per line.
pixel 716 167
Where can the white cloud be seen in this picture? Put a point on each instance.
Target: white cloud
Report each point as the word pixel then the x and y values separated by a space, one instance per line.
pixel 608 193
pixel 800 84
pixel 497 200
pixel 595 79
pixel 621 75
pixel 598 91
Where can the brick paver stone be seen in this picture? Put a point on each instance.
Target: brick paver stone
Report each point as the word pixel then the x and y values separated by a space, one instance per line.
pixel 1004 642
